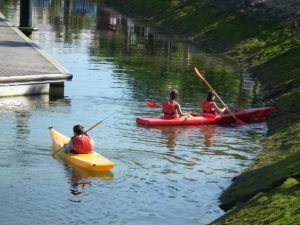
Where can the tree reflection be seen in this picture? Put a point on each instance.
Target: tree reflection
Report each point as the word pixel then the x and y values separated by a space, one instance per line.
pixel 150 61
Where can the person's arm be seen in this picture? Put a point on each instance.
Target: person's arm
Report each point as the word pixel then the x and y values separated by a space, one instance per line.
pixel 91 140
pixel 68 147
pixel 179 111
pixel 217 109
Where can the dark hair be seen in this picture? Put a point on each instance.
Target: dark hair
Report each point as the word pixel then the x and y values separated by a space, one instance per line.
pixel 173 95
pixel 210 95
pixel 78 129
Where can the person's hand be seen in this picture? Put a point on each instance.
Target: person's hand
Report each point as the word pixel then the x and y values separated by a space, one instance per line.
pixel 224 110
pixel 188 114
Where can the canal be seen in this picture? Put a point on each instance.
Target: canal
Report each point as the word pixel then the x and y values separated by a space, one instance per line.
pixel 171 175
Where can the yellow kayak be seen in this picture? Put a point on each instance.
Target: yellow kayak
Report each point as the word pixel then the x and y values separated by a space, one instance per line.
pixel 92 162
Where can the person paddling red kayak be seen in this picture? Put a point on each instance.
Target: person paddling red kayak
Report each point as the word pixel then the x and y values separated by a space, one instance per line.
pixel 208 105
pixel 171 108
pixel 238 121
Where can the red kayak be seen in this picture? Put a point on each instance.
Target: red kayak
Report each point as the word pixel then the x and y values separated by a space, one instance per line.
pixel 245 115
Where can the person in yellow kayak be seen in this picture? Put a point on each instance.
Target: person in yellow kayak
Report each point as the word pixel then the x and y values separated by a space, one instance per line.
pixel 172 108
pixel 80 143
pixel 208 105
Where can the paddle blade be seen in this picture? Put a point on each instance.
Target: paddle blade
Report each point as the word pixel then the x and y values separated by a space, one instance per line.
pixel 152 104
pixel 199 74
pixel 240 122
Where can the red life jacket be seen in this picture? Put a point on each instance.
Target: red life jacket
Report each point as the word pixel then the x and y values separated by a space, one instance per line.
pixel 168 108
pixel 82 144
pixel 207 107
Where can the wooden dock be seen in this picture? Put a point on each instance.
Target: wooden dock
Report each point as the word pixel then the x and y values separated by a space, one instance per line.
pixel 25 69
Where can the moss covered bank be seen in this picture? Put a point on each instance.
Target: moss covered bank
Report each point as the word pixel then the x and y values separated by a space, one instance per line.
pixel 268 46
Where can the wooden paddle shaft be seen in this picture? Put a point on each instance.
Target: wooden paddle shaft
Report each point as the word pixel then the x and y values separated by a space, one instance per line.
pixel 95 125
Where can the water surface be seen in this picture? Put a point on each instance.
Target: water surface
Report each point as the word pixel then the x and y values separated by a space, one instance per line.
pixel 170 175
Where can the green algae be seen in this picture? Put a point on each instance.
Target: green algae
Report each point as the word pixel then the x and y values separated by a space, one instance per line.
pixel 278 206
pixel 262 179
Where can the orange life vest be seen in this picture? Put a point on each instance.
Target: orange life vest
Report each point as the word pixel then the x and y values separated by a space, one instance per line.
pixel 168 108
pixel 82 144
pixel 207 107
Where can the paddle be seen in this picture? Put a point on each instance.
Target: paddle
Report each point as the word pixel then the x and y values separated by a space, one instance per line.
pixel 92 127
pixel 152 104
pixel 238 121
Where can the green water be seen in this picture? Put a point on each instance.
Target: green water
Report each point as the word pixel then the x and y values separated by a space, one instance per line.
pixel 162 175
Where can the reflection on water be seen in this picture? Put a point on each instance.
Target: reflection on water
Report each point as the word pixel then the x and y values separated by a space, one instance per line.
pixel 81 180
pixel 118 64
pixel 170 134
pixel 208 134
pixel 212 139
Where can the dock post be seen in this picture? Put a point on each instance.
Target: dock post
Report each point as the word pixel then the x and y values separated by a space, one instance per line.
pixel 56 90
pixel 26 17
